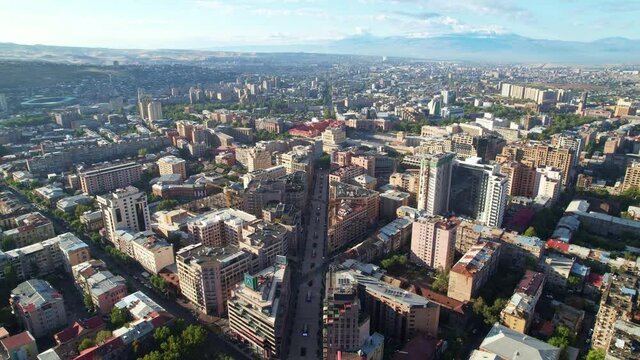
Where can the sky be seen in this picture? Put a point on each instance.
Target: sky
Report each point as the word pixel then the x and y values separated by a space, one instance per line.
pixel 206 24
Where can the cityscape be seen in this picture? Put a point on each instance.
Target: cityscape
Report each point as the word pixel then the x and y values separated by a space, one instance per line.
pixel 429 185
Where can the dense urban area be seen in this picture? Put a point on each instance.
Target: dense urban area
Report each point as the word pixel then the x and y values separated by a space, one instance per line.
pixel 300 206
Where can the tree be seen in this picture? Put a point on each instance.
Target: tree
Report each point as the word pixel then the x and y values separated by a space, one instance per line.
pixel 441 284
pixel 81 209
pixel 142 152
pixel 103 336
pixel 119 317
pixel 161 334
pixel 7 243
pixel 595 354
pixel 531 232
pixel 561 338
pixel 158 283
pixel 85 344
pixel 167 204
pixel 194 336
pixel 88 302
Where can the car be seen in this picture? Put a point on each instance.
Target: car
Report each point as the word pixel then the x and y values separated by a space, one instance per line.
pixel 305 330
pixel 313 253
pixel 318 208
pixel 308 299
pixel 318 219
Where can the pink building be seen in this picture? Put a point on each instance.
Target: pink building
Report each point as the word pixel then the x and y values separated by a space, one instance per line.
pixel 433 242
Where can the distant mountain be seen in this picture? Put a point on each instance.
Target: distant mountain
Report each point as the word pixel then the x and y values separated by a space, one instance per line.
pixel 493 48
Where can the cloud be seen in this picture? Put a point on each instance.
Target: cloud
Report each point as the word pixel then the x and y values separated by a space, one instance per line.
pixel 418 15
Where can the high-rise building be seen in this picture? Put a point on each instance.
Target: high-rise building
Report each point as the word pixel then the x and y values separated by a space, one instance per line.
pixel 479 192
pixel 154 111
pixel 433 242
pixel 172 165
pixel 109 178
pixel 435 182
pixel 258 310
pixel 208 274
pixel 340 316
pixel 548 183
pixel 631 177
pixel 143 104
pixel 473 270
pixel 448 96
pixel 38 307
pixel 4 107
pixel 124 209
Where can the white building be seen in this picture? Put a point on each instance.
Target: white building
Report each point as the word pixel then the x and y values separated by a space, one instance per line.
pixel 124 209
pixel 154 110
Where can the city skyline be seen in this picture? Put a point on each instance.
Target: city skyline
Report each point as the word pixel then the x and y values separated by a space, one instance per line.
pixel 213 24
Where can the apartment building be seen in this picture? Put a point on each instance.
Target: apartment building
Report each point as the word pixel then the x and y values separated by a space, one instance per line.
pixel 394 312
pixel 259 310
pixel 208 274
pixel 219 228
pixel 435 183
pixel 618 302
pixel 150 251
pixel 557 268
pixel 124 209
pixel 270 173
pixel 30 228
pixel 391 201
pixel 518 314
pixel 346 174
pixel 253 158
pixel 341 317
pixel 433 242
pixel 101 180
pixel 172 165
pixel 631 177
pixel 540 155
pixel 265 242
pixel 103 287
pixel 59 253
pixel 626 336
pixel 408 182
pixel 39 307
pixel 473 270
pixel 352 210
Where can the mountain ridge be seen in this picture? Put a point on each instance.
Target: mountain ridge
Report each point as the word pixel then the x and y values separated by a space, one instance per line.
pixel 469 47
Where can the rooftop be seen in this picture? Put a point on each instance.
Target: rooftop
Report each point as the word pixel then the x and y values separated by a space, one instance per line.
pixel 511 345
pixel 139 305
pixel 172 160
pixel 17 341
pixel 263 289
pixel 33 294
pixel 198 253
pixel 476 258
pixel 343 190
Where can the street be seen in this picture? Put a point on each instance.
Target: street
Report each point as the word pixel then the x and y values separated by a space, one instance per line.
pixel 306 332
pixel 215 343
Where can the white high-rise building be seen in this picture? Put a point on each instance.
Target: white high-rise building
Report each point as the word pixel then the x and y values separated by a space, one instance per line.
pixel 435 181
pixel 3 103
pixel 496 201
pixel 154 111
pixel 547 183
pixel 448 96
pixel 124 209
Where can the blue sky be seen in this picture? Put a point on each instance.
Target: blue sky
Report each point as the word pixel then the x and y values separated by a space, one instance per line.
pixel 198 24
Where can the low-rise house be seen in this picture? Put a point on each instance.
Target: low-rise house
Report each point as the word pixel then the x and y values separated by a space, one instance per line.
pixel 21 346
